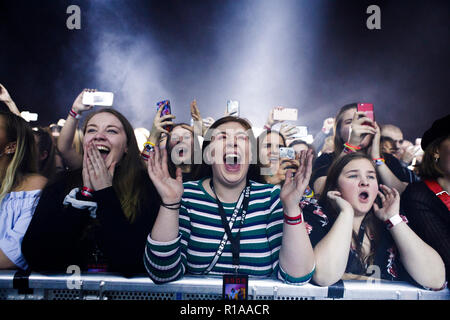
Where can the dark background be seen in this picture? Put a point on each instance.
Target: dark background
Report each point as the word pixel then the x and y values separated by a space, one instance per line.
pixel 313 55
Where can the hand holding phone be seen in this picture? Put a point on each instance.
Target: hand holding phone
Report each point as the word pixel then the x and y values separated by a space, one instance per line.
pixel 288 153
pixel 285 114
pixel 367 108
pixel 98 98
pixel 166 110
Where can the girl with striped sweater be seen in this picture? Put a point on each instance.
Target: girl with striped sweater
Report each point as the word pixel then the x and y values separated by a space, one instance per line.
pixel 226 223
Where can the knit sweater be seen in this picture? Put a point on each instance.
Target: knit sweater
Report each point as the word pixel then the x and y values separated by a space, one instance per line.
pixel 201 232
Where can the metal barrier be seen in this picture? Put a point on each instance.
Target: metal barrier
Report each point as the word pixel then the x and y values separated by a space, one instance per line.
pixel 100 286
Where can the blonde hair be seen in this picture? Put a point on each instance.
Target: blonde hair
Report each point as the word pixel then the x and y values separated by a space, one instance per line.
pixel 24 159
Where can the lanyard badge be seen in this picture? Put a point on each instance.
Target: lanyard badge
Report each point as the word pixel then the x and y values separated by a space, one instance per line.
pixel 235 287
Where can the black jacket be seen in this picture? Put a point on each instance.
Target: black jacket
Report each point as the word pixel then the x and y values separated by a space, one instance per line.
pixel 59 236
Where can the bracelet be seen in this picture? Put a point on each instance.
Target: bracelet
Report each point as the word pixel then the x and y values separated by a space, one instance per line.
pixel 74 114
pixel 170 205
pixel 379 161
pixel 293 220
pixel 267 127
pixel 395 220
pixel 87 192
pixel 348 148
pixel 149 146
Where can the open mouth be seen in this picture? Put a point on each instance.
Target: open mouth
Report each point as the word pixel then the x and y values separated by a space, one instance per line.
pixel 363 196
pixel 232 162
pixel 104 151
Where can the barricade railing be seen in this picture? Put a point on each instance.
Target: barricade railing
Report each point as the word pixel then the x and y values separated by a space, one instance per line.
pixel 107 286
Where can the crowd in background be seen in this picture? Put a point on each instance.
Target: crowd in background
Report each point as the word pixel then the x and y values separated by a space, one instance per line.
pixel 221 196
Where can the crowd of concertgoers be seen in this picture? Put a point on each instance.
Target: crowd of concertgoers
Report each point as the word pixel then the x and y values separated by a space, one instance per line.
pixel 213 198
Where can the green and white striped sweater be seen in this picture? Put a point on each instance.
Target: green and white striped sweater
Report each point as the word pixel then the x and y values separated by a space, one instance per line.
pixel 201 232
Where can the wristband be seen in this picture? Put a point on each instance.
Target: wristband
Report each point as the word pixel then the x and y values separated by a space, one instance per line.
pixel 293 220
pixel 348 148
pixel 87 192
pixel 148 147
pixel 267 127
pixel 395 220
pixel 74 114
pixel 170 206
pixel 379 161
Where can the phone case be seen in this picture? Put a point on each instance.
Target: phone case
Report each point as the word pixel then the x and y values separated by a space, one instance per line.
pixel 287 153
pixel 368 109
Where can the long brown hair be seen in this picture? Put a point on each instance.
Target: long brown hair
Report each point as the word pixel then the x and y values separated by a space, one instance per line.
pixel 128 180
pixel 338 140
pixel 373 226
pixel 24 160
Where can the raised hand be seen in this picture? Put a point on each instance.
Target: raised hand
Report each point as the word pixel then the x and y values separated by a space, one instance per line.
pixel 78 105
pixel 375 150
pixel 4 94
pixel 198 121
pixel 390 203
pixel 294 186
pixel 339 203
pixel 361 130
pixel 170 190
pixel 158 124
pixel 195 112
pixel 270 121
pixel 288 130
pixel 6 98
pixel 99 175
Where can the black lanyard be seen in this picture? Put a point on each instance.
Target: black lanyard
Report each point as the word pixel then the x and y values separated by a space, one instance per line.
pixel 362 229
pixel 234 241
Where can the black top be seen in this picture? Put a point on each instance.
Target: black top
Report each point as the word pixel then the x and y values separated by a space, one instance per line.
pixel 323 163
pixel 386 257
pixel 429 218
pixel 59 236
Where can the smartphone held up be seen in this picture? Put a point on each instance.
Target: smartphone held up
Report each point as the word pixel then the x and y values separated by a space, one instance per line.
pixel 98 98
pixel 233 108
pixel 285 114
pixel 367 108
pixel 165 104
